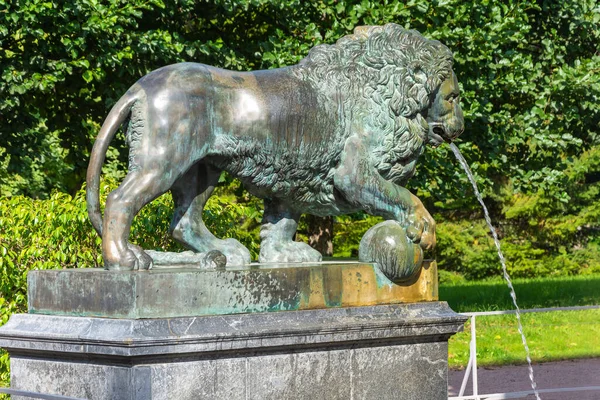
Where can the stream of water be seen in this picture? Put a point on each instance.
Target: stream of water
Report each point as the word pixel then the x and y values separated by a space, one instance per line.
pixel 513 295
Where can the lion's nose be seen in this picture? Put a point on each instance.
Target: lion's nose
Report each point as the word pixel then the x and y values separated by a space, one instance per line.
pixel 456 134
pixel 459 130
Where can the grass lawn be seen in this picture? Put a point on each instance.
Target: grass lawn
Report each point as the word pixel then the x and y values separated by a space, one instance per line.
pixel 531 293
pixel 550 335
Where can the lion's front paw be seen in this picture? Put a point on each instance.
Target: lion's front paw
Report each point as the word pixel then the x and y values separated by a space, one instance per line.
pixel 421 226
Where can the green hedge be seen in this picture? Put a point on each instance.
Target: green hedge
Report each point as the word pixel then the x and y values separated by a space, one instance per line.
pixel 529 72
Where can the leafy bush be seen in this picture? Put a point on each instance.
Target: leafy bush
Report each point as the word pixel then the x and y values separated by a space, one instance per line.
pixel 466 248
pixel 528 71
pixel 449 278
pixel 348 230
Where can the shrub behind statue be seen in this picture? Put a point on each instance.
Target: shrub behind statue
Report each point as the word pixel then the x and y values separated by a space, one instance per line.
pixel 338 133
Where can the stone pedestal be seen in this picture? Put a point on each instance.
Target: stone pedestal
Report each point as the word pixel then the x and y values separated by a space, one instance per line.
pixel 385 351
pixel 176 292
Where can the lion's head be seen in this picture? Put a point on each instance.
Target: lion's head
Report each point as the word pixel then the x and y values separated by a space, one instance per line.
pixel 397 83
pixel 445 117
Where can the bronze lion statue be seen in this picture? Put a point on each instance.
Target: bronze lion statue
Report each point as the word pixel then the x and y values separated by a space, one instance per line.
pixel 338 133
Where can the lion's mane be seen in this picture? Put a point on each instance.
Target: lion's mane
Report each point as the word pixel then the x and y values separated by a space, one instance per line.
pixel 386 74
pixel 378 79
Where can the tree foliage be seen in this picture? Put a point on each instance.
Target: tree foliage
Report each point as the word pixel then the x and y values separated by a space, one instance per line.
pixel 528 71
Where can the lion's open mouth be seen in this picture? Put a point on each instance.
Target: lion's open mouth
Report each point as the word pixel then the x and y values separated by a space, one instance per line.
pixel 436 134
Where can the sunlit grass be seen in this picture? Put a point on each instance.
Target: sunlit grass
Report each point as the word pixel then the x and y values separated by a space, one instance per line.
pixel 531 293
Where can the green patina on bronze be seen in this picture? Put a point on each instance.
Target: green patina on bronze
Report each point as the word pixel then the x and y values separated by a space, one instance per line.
pixel 338 133
pixel 332 284
pixel 129 294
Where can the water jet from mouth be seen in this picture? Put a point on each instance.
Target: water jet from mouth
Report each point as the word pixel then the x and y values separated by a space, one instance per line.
pixel 513 294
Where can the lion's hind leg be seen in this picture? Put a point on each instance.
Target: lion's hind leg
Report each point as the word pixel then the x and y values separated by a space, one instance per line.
pixel 190 193
pixel 277 237
pixel 137 189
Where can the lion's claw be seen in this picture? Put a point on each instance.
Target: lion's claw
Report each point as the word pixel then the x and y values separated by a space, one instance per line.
pixel 414 231
pixel 420 228
pixel 143 260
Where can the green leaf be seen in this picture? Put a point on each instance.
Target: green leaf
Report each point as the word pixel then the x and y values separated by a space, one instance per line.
pixel 88 76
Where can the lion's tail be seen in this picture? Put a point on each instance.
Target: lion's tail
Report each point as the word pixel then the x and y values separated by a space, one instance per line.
pixel 117 115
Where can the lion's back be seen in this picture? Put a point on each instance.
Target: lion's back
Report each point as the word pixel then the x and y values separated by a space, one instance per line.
pixel 288 149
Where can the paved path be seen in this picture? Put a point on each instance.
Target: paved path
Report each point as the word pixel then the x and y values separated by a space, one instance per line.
pixel 547 375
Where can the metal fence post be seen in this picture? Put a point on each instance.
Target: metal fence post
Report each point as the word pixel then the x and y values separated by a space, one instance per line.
pixel 472 365
pixel 473 351
pixel 465 380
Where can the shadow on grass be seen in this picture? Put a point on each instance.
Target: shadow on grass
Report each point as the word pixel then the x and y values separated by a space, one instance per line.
pixel 531 293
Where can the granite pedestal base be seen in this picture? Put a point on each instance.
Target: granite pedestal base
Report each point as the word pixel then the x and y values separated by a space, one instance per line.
pixel 396 351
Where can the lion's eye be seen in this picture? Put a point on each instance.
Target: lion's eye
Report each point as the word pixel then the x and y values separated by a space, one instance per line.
pixel 451 98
